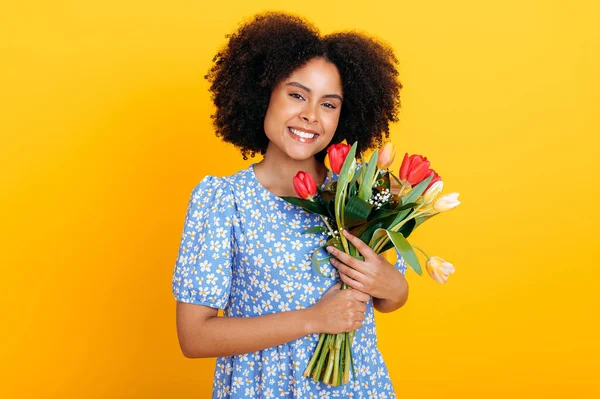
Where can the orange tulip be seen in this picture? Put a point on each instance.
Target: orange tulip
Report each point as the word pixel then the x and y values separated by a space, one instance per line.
pixel 439 269
pixel 386 156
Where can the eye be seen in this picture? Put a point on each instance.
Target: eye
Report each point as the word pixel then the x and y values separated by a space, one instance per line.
pixel 329 105
pixel 298 96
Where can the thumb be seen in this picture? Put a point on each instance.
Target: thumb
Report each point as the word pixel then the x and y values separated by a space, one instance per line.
pixel 337 286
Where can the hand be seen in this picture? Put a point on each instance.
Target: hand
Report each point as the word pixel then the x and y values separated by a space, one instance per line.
pixel 374 276
pixel 339 311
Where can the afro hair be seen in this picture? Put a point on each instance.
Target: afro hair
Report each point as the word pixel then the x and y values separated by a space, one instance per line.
pixel 268 48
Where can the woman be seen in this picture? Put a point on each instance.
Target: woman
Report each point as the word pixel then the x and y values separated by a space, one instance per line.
pixel 282 89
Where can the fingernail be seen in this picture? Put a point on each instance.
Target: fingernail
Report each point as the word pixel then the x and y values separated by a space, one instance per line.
pixel 330 249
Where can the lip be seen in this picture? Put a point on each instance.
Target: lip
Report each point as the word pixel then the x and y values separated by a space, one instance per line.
pixel 301 139
pixel 304 130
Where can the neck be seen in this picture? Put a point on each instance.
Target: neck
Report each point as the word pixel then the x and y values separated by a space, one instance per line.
pixel 276 172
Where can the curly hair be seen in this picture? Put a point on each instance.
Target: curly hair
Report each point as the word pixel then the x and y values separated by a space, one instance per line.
pixel 268 48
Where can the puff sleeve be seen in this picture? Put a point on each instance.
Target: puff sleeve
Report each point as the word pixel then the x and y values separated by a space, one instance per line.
pixel 202 272
pixel 400 263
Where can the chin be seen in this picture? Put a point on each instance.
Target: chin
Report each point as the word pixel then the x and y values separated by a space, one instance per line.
pixel 299 155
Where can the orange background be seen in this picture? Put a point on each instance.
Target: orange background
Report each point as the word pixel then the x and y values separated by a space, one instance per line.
pixel 105 130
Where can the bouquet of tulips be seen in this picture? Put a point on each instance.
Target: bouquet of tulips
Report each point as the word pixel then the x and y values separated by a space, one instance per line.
pixel 382 210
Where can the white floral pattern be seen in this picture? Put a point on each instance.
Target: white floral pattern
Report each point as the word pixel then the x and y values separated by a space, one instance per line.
pixel 242 251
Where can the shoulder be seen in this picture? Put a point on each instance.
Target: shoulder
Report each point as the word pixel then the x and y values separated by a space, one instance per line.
pixel 221 188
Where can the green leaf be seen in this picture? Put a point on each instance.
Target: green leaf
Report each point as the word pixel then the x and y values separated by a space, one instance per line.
pixel 315 229
pixel 402 246
pixel 423 218
pixel 316 263
pixel 367 233
pixel 400 217
pixel 406 250
pixel 356 212
pixel 366 187
pixel 342 182
pixel 362 169
pixel 406 230
pixel 309 206
pixel 417 190
pixel 328 199
pixel 381 214
pixel 356 174
pixel 401 207
pixel 352 190
pixel 376 237
pixel 404 211
pixel 395 178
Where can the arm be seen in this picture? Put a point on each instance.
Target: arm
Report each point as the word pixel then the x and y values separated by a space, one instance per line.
pixel 203 334
pixel 388 305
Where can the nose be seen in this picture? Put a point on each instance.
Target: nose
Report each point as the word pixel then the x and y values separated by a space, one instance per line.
pixel 309 113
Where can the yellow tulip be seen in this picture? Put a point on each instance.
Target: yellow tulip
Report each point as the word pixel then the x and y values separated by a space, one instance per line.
pixel 446 202
pixel 327 164
pixel 433 192
pixel 439 269
pixel 386 156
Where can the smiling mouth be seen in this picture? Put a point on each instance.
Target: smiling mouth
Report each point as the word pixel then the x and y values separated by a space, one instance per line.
pixel 302 134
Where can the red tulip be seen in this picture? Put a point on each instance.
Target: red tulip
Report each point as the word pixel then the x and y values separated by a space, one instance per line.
pixel 337 155
pixel 436 177
pixel 304 185
pixel 415 169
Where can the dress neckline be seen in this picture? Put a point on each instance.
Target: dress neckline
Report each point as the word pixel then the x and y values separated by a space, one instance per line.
pixel 259 184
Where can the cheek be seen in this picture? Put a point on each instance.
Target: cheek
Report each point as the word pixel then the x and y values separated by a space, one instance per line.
pixel 272 121
pixel 330 122
pixel 279 112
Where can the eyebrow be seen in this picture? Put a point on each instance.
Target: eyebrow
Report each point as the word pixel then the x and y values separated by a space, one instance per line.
pixel 300 85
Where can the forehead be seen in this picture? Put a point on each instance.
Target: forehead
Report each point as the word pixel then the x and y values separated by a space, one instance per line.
pixel 318 75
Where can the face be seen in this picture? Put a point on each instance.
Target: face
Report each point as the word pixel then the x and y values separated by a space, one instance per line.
pixel 304 110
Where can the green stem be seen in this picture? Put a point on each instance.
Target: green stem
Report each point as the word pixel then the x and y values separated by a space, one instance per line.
pixel 322 357
pixel 376 177
pixel 312 362
pixel 424 253
pixel 329 369
pixel 336 359
pixel 327 224
pixel 397 227
pixel 347 359
pixel 338 216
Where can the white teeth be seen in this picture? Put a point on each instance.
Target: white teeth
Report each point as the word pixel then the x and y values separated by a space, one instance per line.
pixel 302 134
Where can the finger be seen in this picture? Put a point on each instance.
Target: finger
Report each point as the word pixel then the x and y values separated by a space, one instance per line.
pixel 351 282
pixel 336 286
pixel 363 248
pixel 343 268
pixel 361 295
pixel 347 259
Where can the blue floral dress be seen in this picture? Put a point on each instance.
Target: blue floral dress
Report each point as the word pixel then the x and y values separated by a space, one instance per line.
pixel 242 251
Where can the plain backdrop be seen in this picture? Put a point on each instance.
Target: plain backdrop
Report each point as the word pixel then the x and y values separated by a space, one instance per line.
pixel 105 129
